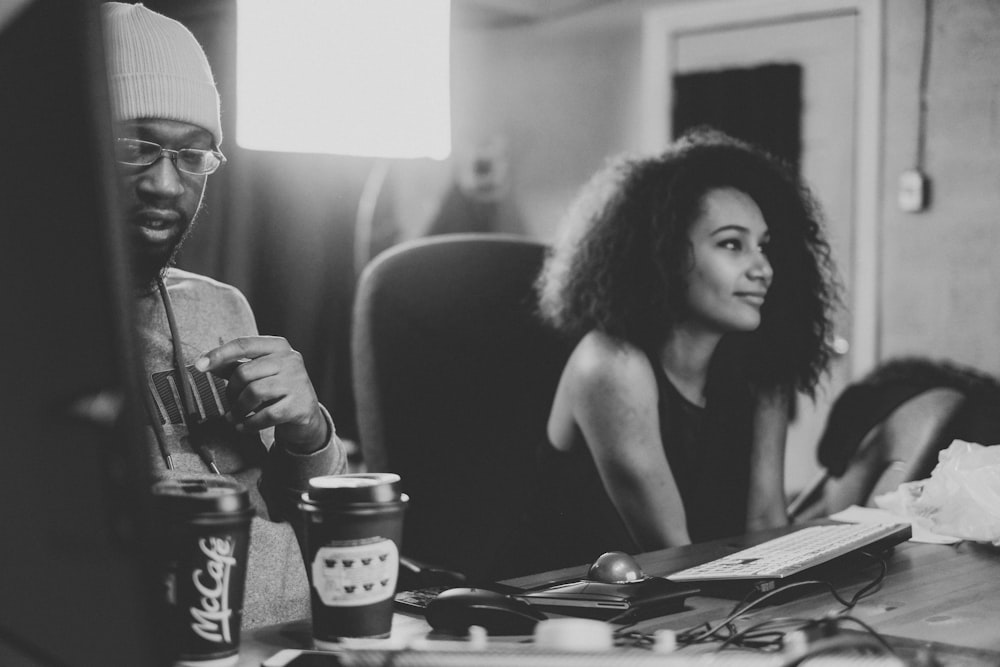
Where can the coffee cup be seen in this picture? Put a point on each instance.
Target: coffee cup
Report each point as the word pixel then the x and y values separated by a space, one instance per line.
pixel 202 539
pixel 352 531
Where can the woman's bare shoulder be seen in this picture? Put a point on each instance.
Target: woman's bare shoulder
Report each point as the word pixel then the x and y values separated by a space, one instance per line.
pixel 600 360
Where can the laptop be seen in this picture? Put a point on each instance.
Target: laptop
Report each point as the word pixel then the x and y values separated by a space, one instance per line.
pixel 652 596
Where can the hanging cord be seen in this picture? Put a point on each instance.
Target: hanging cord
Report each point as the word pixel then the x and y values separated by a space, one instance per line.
pixel 190 409
pixel 161 437
pixel 192 419
pixel 925 67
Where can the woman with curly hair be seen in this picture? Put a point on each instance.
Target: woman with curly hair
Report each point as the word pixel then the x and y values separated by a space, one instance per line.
pixel 699 287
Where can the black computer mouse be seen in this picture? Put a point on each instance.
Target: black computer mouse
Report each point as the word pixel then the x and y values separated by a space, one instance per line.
pixel 455 609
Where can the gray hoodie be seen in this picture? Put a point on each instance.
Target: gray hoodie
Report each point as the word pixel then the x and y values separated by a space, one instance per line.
pixel 208 314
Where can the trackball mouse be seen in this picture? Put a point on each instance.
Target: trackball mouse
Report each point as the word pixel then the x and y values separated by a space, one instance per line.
pixel 616 567
pixel 455 609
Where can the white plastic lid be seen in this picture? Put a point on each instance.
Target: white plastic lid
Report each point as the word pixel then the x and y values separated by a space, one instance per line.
pixel 574 634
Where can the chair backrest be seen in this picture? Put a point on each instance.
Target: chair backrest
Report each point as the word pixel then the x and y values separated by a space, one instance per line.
pixel 454 376
pixel 889 427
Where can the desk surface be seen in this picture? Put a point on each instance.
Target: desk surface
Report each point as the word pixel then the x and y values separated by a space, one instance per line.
pixel 948 595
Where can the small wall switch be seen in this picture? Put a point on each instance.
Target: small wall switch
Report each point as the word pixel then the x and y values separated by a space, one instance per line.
pixel 914 191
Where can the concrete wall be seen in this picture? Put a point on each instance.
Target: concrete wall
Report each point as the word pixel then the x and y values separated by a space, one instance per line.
pixel 940 291
pixel 565 96
pixel 562 95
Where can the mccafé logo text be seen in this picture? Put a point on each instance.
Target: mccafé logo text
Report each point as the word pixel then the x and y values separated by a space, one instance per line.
pixel 211 617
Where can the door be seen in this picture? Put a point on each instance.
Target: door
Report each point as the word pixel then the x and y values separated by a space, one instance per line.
pixel 826 43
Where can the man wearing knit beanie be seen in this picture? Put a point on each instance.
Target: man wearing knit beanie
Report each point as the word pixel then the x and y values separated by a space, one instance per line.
pixel 245 407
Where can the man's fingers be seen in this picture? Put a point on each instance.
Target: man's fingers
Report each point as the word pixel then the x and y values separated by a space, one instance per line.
pixel 271 415
pixel 224 359
pixel 224 371
pixel 254 397
pixel 245 372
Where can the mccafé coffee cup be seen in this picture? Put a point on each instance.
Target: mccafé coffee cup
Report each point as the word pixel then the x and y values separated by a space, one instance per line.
pixel 353 527
pixel 203 535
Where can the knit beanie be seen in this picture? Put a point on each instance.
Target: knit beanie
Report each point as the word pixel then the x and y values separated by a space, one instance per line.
pixel 157 69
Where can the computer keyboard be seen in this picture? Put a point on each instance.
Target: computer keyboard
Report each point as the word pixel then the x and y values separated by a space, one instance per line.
pixel 798 551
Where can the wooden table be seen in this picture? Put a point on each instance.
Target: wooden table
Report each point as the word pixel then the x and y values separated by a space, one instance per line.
pixel 946 597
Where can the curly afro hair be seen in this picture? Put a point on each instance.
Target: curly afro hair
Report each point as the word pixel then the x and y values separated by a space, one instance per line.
pixel 621 262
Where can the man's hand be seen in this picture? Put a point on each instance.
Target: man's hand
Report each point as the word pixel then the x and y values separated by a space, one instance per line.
pixel 269 386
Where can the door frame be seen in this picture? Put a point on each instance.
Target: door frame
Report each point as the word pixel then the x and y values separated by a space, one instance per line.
pixel 662 26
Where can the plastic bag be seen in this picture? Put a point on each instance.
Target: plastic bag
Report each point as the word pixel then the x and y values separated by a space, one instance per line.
pixel 961 497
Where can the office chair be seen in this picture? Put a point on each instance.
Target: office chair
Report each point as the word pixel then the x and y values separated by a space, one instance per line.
pixel 889 427
pixel 454 377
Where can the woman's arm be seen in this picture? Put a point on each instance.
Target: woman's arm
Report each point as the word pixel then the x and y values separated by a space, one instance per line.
pixel 766 502
pixel 607 399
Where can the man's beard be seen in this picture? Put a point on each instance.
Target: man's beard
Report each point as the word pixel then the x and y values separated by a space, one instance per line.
pixel 148 266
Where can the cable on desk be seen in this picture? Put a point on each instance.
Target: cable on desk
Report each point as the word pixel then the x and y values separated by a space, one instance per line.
pixel 832 644
pixel 875 584
pixel 751 634
pixel 867 628
pixel 640 638
pixel 704 631
pixel 692 636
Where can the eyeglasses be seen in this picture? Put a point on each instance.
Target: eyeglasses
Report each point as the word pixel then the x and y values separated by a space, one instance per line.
pixel 139 153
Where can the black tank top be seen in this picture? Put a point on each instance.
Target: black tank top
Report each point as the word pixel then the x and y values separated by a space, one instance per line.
pixel 573 520
pixel 709 451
